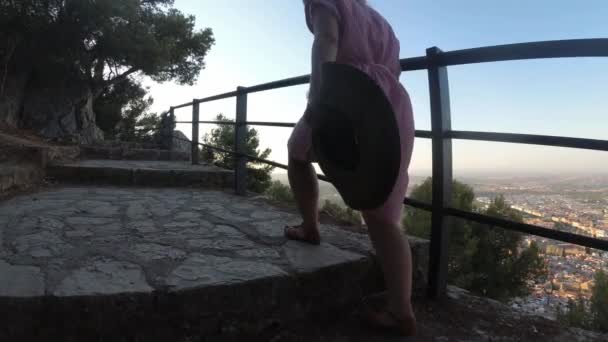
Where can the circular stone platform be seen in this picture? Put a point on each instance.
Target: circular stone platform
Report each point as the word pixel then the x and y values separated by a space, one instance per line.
pixel 165 257
pixel 94 241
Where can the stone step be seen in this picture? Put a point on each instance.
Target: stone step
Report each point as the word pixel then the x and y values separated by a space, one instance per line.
pixel 23 160
pixel 20 167
pixel 128 153
pixel 141 173
pixel 15 176
pixel 23 166
pixel 18 149
pixel 127 144
pixel 166 264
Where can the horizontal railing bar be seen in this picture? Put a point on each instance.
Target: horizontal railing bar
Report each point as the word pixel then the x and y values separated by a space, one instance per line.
pixel 229 123
pixel 216 148
pixel 530 229
pixel 269 162
pixel 413 63
pixel 260 160
pixel 531 139
pixel 182 105
pixel 516 226
pixel 266 161
pixel 547 49
pixel 208 122
pixel 597 47
pixel 547 140
pixel 419 133
pixel 407 64
pixel 423 134
pixel 217 97
pixel 417 204
pixel 288 82
pixel 271 124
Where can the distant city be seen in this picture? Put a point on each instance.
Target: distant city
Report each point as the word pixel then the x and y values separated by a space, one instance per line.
pixel 577 204
pixel 574 203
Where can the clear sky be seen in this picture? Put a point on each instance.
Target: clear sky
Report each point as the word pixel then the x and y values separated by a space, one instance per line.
pixel 260 41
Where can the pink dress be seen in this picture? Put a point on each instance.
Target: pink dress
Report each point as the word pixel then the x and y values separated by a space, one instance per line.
pixel 367 42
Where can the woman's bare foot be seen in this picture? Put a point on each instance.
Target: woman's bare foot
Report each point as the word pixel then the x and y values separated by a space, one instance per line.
pixel 305 234
pixel 388 321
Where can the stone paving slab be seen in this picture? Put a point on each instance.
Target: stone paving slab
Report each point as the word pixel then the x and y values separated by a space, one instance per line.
pixel 142 173
pixel 77 248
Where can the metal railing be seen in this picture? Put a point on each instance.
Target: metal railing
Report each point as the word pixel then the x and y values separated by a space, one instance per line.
pixel 436 63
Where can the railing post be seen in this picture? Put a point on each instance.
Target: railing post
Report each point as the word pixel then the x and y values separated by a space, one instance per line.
pixel 195 120
pixel 442 173
pixel 240 133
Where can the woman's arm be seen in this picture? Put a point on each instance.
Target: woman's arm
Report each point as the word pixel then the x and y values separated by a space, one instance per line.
pixel 324 49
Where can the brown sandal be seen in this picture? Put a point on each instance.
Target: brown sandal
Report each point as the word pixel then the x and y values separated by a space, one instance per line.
pixel 296 233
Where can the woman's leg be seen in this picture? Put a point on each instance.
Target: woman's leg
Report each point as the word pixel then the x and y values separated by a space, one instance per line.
pixel 393 252
pixel 304 183
pixel 305 187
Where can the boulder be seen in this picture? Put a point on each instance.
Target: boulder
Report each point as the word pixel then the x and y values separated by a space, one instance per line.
pixel 180 142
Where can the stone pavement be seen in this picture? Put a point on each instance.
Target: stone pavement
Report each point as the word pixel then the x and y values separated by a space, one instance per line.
pixel 94 247
pixel 89 241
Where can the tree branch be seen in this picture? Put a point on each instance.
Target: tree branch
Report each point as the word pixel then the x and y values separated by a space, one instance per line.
pixel 117 79
pixel 121 77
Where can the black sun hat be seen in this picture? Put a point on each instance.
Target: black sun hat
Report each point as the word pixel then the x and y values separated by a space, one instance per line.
pixel 355 136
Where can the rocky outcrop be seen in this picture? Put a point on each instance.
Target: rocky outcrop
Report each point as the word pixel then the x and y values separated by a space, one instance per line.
pixel 169 138
pixel 167 126
pixel 180 142
pixel 61 111
pixel 59 107
pixel 12 92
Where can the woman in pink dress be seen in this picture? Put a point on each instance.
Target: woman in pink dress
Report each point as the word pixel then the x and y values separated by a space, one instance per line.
pixel 351 32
